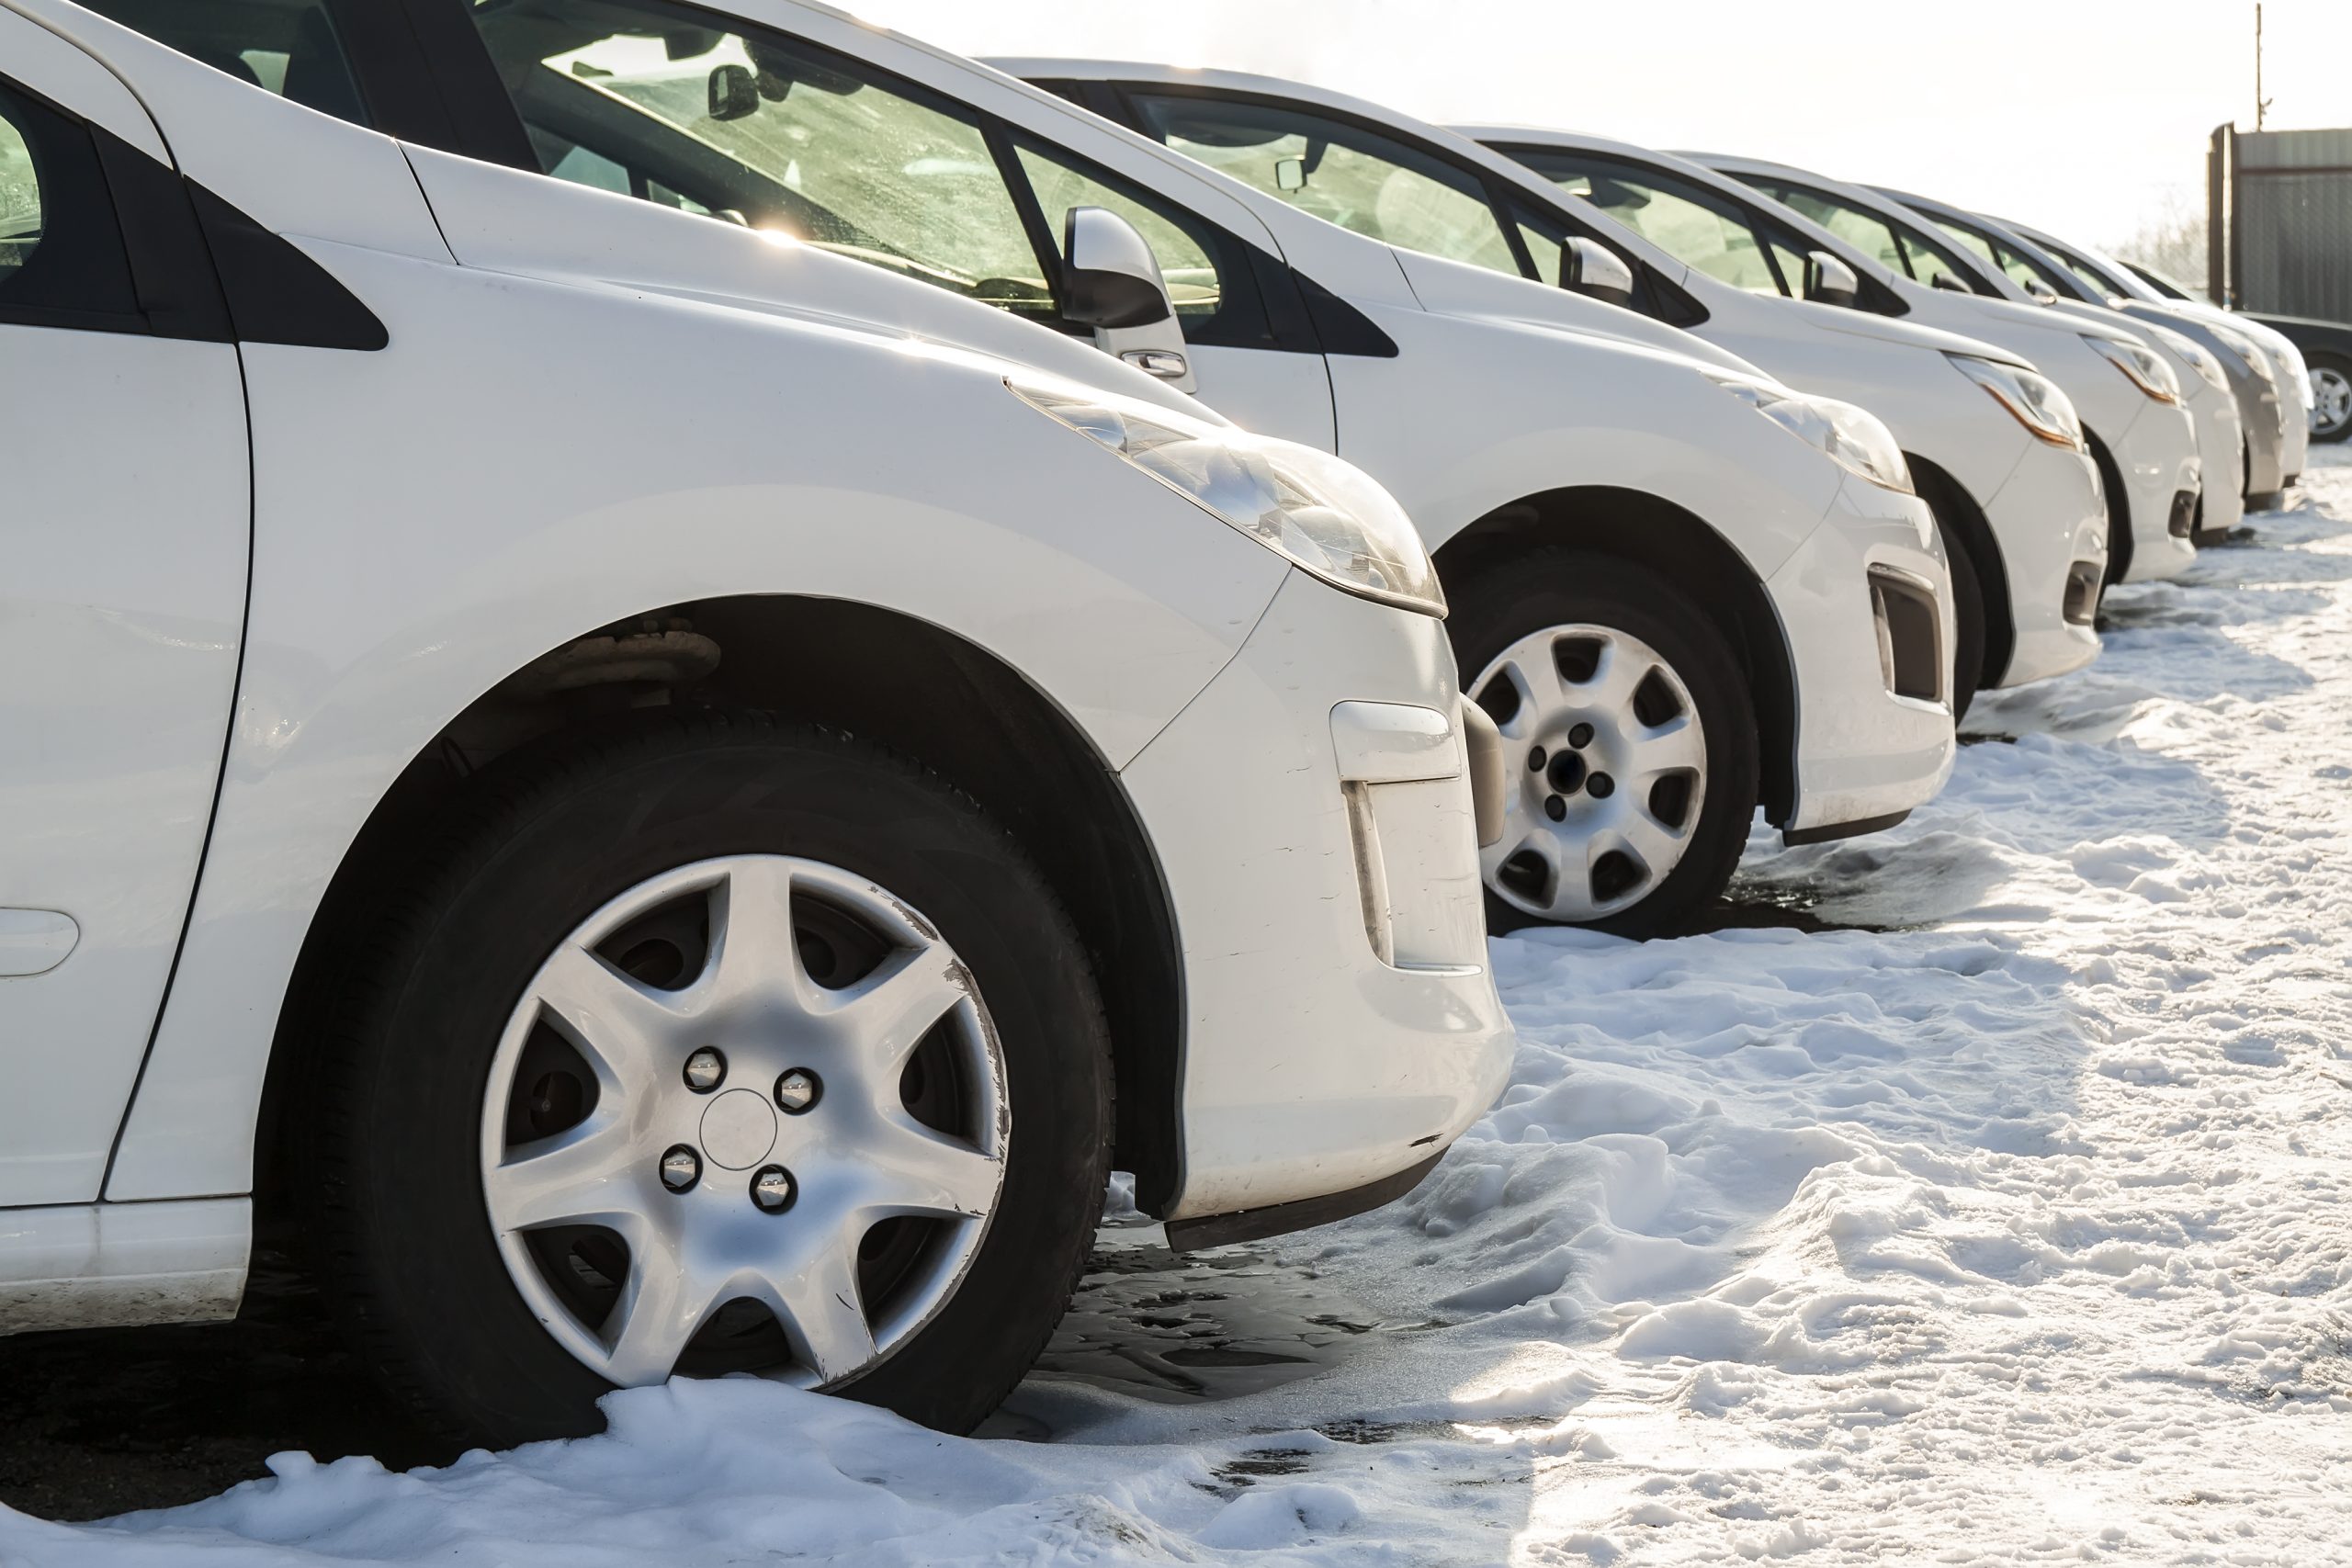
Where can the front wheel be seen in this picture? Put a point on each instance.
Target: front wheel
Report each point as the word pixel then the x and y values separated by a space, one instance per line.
pixel 1631 736
pixel 721 1048
pixel 2332 389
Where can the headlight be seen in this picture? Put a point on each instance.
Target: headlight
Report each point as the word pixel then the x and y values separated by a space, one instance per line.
pixel 2208 369
pixel 2032 398
pixel 1854 439
pixel 2137 360
pixel 1327 516
pixel 2251 360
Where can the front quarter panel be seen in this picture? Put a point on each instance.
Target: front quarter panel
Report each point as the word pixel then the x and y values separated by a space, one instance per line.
pixel 530 461
pixel 1473 415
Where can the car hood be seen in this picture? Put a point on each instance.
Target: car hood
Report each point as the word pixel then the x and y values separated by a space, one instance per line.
pixel 1880 329
pixel 1456 289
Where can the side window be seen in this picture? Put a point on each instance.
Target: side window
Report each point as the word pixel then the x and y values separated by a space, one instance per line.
pixel 61 258
pixel 760 129
pixel 1356 178
pixel 1866 231
pixel 1976 244
pixel 21 222
pixel 1695 225
pixel 1186 259
pixel 286 47
pixel 1932 260
pixel 2085 275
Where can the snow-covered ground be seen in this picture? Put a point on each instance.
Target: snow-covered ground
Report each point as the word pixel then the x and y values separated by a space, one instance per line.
pixel 2023 1230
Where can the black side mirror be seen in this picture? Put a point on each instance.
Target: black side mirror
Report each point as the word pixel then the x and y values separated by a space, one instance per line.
pixel 734 92
pixel 1593 269
pixel 1830 281
pixel 1951 281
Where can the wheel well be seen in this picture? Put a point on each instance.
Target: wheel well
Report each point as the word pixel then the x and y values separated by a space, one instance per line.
pixel 909 684
pixel 1958 512
pixel 2119 507
pixel 1655 533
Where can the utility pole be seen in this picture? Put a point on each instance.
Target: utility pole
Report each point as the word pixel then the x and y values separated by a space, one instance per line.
pixel 2261 104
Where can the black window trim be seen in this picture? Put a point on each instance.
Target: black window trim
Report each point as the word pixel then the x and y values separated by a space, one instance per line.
pixel 198 269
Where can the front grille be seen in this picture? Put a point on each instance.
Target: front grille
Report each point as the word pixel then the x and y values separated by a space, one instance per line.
pixel 1910 650
pixel 2083 580
pixel 2183 521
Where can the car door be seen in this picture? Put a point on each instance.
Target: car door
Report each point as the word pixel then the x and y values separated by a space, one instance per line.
pixel 125 514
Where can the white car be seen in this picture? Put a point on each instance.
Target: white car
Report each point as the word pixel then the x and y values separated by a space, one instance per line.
pixel 1683 589
pixel 2148 446
pixel 2267 379
pixel 646 799
pixel 2018 507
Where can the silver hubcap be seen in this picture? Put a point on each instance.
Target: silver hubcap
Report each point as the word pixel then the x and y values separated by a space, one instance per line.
pixel 670 1189
pixel 2333 392
pixel 1612 771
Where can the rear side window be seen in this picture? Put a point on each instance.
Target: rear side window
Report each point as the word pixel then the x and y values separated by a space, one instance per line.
pixel 286 47
pixel 62 259
pixel 1339 172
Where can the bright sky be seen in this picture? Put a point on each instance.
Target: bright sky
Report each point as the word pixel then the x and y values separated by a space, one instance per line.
pixel 2080 116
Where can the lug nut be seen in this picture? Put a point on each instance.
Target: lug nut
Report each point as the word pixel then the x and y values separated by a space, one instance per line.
pixel 797 1089
pixel 1535 761
pixel 1601 786
pixel 680 1168
pixel 772 1190
pixel 705 1070
pixel 1555 807
pixel 1580 736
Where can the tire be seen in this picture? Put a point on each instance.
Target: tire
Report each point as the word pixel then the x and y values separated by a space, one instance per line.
pixel 405 1119
pixel 1578 605
pixel 1968 634
pixel 2332 380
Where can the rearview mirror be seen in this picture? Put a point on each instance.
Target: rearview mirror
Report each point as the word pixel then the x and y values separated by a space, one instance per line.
pixel 1112 282
pixel 734 92
pixel 1593 269
pixel 1290 174
pixel 1830 281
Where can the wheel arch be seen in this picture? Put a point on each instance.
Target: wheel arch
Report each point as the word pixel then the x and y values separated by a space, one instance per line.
pixel 1651 531
pixel 1958 511
pixel 2119 507
pixel 860 668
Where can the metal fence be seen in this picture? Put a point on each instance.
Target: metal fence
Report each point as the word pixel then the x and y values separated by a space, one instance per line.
pixel 2279 226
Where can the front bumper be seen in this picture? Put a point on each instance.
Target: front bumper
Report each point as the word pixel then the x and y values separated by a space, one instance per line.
pixel 2262 425
pixel 2157 458
pixel 2223 451
pixel 2051 522
pixel 1312 812
pixel 1865 750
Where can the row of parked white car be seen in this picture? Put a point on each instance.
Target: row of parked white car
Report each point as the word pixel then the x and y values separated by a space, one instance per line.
pixel 652 723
